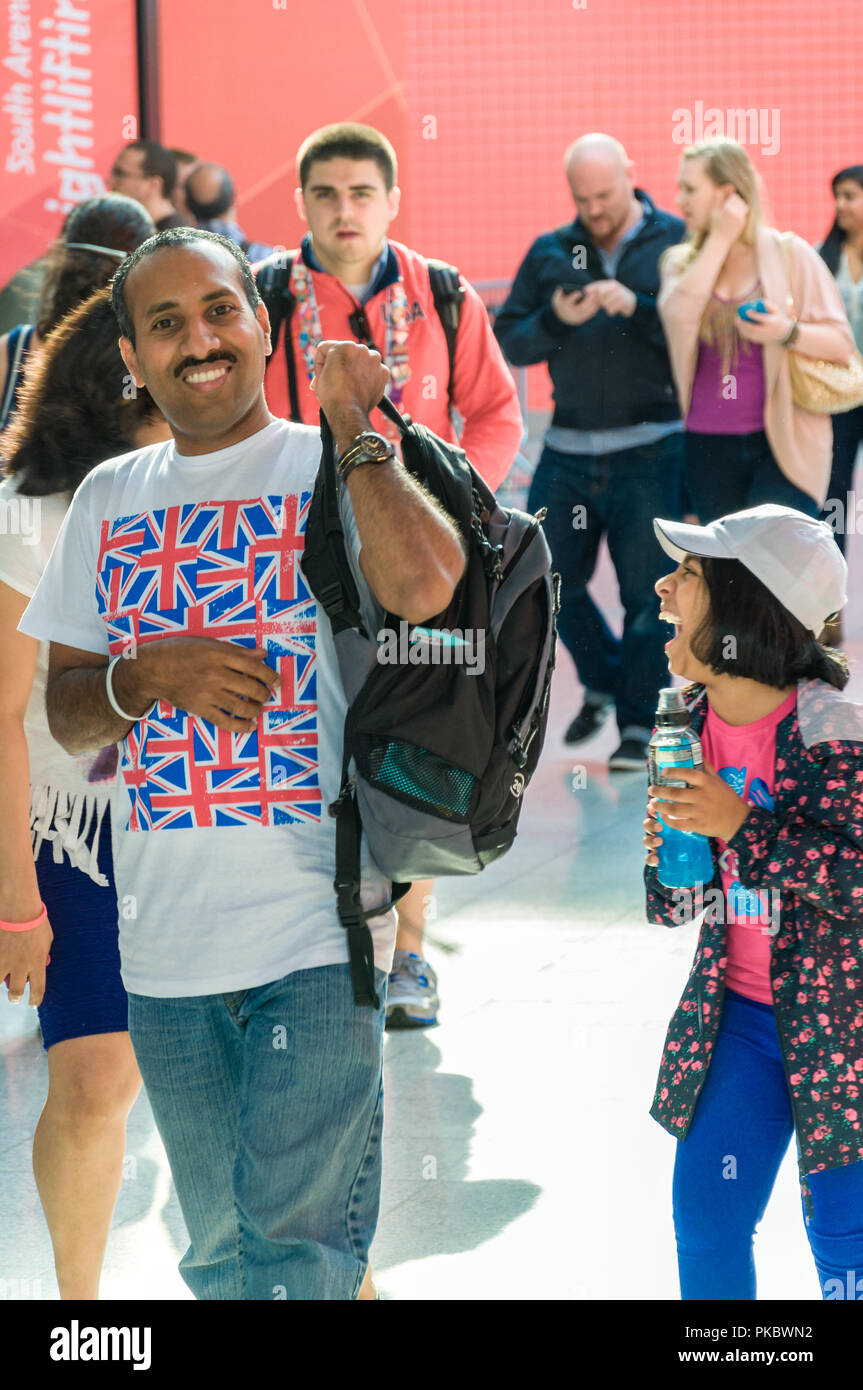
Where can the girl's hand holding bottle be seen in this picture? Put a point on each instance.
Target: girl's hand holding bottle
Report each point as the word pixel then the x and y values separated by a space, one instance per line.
pixel 706 806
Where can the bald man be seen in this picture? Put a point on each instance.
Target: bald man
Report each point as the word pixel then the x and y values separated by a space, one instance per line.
pixel 584 302
pixel 212 202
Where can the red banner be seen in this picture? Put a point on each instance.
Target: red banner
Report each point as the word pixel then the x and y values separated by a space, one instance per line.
pixel 68 79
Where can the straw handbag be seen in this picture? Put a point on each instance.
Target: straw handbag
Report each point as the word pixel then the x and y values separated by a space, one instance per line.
pixel 825 388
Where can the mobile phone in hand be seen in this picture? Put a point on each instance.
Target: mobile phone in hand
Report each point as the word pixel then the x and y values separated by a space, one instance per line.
pixel 577 290
pixel 757 304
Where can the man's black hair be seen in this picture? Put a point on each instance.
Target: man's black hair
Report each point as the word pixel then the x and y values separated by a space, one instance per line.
pixel 769 644
pixel 216 207
pixel 174 237
pixel 157 160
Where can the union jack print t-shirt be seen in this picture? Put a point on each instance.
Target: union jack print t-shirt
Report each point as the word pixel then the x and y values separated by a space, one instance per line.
pixel 224 852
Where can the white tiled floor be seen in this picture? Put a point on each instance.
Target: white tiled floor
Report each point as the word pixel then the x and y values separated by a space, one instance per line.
pixel 520 1160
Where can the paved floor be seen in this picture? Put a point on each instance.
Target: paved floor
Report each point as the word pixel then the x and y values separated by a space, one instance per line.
pixel 520 1160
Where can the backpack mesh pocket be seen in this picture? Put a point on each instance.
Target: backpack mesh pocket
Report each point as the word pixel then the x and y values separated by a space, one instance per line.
pixel 415 775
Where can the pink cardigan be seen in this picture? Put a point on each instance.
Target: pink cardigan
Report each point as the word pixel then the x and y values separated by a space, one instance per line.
pixel 802 442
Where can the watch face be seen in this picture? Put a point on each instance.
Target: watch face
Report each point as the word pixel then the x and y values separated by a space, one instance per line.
pixel 375 446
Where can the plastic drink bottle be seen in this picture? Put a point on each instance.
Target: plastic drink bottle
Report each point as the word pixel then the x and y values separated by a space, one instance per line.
pixel 685 859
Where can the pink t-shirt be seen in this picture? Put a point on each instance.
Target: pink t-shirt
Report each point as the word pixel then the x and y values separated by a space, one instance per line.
pixel 744 755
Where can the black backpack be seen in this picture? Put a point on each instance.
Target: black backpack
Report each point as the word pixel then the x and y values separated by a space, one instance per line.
pixel 274 286
pixel 443 746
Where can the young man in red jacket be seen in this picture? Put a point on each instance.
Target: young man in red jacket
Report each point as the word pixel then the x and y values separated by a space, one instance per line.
pixel 349 280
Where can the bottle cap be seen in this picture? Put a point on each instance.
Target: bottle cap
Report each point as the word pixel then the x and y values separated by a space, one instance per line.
pixel 671 711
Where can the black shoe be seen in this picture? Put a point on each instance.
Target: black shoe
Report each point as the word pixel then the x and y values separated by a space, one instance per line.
pixel 630 756
pixel 588 721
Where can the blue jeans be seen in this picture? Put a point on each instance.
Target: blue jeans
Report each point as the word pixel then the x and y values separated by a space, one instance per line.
pixel 617 495
pixel 270 1106
pixel 730 472
pixel 726 1167
pixel 847 438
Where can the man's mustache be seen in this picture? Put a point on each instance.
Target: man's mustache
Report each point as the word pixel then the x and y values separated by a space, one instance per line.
pixel 207 362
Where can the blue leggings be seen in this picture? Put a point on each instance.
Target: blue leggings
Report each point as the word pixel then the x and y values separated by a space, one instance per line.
pixel 726 1167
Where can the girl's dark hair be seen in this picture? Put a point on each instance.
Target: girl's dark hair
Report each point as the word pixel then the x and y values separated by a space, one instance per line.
pixel 747 632
pixel 111 220
pixel 78 404
pixel 831 248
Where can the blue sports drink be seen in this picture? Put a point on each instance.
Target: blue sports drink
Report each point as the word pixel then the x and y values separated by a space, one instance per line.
pixel 685 859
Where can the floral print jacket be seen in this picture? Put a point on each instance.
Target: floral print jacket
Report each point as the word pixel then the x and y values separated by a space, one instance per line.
pixel 810 849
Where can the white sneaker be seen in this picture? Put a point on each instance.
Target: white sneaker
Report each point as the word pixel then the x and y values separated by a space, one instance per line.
pixel 412 997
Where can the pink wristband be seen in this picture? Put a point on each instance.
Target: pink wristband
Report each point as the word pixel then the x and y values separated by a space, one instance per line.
pixel 26 926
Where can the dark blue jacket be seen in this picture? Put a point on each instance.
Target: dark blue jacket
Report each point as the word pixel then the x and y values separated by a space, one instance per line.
pixel 610 371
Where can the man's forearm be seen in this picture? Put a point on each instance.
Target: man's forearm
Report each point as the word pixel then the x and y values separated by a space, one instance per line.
pixel 80 716
pixel 412 554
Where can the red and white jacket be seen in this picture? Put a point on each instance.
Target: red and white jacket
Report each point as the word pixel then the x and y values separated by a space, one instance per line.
pixel 483 390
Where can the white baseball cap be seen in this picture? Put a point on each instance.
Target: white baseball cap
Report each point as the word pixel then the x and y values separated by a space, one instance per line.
pixel 794 556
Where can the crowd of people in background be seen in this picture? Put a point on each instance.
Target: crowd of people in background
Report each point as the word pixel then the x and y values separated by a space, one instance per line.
pixel 669 341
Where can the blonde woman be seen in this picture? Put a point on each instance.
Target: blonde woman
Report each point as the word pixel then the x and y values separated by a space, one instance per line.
pixel 746 442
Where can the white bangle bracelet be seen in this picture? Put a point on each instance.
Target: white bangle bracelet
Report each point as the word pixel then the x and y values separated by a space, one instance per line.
pixel 130 718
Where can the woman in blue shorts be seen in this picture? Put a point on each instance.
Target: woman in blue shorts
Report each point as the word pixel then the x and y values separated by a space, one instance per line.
pixel 58 906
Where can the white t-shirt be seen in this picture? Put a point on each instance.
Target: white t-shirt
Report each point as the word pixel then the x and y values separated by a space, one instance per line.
pixel 224 852
pixel 67 793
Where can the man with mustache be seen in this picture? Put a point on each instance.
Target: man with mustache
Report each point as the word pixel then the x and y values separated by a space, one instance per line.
pixel 181 625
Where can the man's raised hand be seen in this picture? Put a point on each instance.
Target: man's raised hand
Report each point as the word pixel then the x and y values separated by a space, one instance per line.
pixel 348 376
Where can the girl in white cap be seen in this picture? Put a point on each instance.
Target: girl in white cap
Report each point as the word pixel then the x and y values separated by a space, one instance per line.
pixel 767 1040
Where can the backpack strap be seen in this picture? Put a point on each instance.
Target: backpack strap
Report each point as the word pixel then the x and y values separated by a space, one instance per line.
pixel 361 952
pixel 274 286
pixel 347 882
pixel 17 343
pixel 448 294
pixel 325 560
pixel 325 565
pixel 393 414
